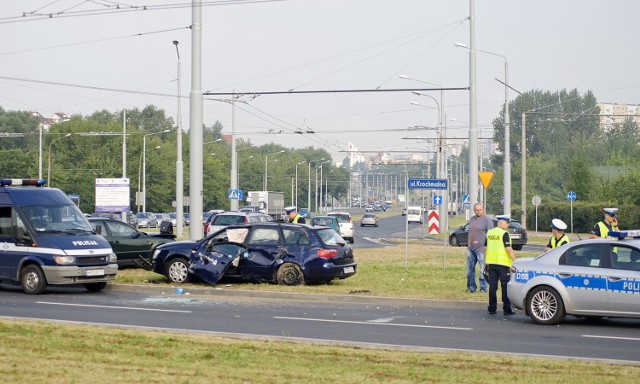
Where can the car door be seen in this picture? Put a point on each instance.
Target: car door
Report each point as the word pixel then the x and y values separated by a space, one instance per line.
pixel 127 242
pixel 212 260
pixel 623 283
pixel 583 271
pixel 266 248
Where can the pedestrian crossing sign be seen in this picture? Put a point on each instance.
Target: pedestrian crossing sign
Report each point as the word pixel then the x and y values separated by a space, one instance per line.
pixel 235 194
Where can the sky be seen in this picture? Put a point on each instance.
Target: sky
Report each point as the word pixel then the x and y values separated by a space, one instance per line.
pixel 78 57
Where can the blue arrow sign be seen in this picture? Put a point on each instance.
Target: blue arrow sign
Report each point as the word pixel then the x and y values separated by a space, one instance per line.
pixel 465 198
pixel 428 183
pixel 437 200
pixel 571 196
pixel 235 194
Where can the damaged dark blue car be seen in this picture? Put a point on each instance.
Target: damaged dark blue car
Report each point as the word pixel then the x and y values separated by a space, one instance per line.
pixel 282 253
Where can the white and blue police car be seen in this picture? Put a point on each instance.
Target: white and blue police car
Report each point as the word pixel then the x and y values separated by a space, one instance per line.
pixel 46 240
pixel 589 278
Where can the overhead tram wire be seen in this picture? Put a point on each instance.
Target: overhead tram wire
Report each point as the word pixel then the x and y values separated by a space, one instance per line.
pixel 293 92
pixel 120 8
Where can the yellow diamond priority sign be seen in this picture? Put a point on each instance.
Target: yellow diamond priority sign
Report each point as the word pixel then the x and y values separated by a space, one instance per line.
pixel 485 178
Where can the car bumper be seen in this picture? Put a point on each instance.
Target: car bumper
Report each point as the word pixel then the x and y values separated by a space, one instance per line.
pixel 80 275
pixel 329 271
pixel 517 292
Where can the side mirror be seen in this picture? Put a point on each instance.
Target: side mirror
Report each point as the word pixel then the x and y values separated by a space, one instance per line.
pixel 21 236
pixel 99 229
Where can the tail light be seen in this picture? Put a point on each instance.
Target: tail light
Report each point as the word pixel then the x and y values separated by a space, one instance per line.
pixel 327 253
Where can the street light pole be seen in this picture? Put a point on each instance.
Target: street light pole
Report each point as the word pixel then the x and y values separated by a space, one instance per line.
pixel 49 165
pixel 296 187
pixel 473 104
pixel 523 197
pixel 179 165
pixel 309 180
pixel 507 133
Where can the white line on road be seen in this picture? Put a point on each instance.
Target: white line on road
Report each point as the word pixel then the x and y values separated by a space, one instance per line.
pixel 612 337
pixel 372 323
pixel 112 307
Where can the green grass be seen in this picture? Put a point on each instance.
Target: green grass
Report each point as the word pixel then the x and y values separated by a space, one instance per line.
pixel 37 352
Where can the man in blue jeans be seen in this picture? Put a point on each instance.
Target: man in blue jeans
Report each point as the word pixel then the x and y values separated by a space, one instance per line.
pixel 478 227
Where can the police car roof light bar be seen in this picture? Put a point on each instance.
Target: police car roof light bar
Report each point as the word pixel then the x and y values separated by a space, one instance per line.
pixel 22 182
pixel 621 235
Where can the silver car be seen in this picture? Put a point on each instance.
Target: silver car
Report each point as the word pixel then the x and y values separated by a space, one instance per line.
pixel 589 278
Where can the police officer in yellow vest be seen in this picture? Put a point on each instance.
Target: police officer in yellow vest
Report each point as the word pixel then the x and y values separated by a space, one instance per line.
pixel 558 237
pixel 498 259
pixel 610 223
pixel 294 217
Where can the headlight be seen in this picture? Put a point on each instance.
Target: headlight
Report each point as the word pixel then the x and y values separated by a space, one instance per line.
pixel 113 258
pixel 155 254
pixel 64 260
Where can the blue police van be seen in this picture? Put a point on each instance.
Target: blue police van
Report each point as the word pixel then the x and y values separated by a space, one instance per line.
pixel 46 240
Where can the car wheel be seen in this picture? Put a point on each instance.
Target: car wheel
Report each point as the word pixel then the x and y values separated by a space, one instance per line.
pixel 290 274
pixel 454 242
pixel 33 280
pixel 178 270
pixel 95 287
pixel 545 306
pixel 517 247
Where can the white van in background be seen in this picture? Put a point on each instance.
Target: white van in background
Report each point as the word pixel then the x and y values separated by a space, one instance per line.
pixel 414 215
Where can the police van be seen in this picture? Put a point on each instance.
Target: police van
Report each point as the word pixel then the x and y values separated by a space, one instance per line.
pixel 46 240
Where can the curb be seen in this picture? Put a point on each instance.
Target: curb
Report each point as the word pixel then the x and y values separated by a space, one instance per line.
pixel 221 293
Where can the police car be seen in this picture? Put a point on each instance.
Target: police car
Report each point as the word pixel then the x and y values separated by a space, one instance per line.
pixel 590 278
pixel 46 240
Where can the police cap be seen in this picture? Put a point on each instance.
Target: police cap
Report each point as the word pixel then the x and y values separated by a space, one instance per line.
pixel 290 209
pixel 610 211
pixel 558 224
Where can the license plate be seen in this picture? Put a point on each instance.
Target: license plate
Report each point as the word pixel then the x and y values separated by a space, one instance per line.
pixel 95 272
pixel 515 236
pixel 348 270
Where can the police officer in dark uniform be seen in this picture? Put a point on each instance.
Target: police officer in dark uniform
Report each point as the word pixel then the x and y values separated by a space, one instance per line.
pixel 498 259
pixel 294 216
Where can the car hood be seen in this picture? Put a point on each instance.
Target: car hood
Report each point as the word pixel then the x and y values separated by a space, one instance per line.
pixel 190 244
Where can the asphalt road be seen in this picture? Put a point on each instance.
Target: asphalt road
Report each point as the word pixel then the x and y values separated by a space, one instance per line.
pixel 366 322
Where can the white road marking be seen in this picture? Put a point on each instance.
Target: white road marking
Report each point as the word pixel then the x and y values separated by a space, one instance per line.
pixel 112 307
pixel 372 323
pixel 612 337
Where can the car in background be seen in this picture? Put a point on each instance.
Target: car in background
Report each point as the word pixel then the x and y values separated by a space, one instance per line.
pixel 519 236
pixel 369 219
pixel 147 220
pixel 173 217
pixel 128 243
pixel 225 219
pixel 304 212
pixel 404 211
pixel 346 224
pixel 592 278
pixel 368 208
pixel 187 218
pixel 163 217
pixel 284 253
pixel 131 218
pixel 326 221
pixel 249 209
